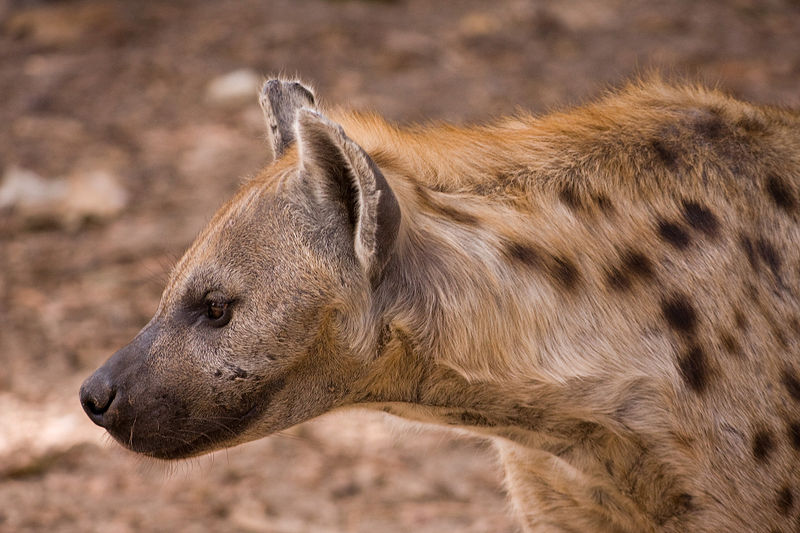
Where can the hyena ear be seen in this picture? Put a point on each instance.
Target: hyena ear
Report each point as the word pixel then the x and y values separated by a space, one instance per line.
pixel 342 172
pixel 280 101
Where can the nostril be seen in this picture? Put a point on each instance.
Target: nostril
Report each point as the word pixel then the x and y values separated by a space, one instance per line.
pixel 98 407
pixel 97 395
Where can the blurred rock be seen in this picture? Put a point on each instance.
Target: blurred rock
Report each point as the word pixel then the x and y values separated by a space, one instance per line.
pixel 234 88
pixel 96 195
pixel 26 191
pixel 479 23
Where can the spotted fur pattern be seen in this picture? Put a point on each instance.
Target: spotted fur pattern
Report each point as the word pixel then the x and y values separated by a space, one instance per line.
pixel 610 293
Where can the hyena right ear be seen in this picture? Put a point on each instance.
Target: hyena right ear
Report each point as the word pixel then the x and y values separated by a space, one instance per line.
pixel 280 101
pixel 343 174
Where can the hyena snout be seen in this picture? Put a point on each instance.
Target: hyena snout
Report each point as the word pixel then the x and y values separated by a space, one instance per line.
pixel 106 395
pixel 125 397
pixel 154 405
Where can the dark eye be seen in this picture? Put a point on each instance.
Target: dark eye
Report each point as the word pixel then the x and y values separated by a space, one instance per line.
pixel 218 310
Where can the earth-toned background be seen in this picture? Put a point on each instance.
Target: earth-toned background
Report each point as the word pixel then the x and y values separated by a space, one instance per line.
pixel 124 125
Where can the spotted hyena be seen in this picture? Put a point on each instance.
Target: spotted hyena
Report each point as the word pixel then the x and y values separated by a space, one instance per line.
pixel 610 294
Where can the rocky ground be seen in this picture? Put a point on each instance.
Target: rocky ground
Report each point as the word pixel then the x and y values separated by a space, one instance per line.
pixel 125 124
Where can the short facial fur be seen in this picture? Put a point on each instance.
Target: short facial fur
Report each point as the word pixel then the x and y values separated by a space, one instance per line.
pixel 610 294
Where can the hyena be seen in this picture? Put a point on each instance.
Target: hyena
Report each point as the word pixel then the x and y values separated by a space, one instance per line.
pixel 609 294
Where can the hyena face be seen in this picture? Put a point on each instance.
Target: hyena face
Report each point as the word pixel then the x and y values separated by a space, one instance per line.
pixel 248 338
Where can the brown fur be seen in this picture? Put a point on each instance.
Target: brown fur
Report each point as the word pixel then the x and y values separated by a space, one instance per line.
pixel 609 293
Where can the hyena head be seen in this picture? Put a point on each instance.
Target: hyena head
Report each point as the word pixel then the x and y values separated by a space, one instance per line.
pixel 250 334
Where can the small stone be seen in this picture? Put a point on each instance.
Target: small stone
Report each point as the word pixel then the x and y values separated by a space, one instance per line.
pixel 95 195
pixel 234 88
pixel 478 23
pixel 26 191
pixel 33 200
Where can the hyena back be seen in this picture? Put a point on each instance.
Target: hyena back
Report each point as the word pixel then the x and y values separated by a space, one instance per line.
pixel 609 293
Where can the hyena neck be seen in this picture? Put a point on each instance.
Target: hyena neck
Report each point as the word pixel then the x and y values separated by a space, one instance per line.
pixel 493 289
pixel 462 301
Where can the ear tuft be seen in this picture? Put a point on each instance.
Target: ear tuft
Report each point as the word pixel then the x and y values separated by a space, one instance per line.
pixel 349 175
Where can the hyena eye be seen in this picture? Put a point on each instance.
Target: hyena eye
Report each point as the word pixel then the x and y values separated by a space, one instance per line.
pixel 218 310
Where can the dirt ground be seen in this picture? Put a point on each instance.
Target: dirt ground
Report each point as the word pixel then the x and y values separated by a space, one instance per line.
pixel 120 134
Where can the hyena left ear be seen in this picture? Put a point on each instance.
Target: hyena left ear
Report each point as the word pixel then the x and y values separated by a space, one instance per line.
pixel 345 174
pixel 280 101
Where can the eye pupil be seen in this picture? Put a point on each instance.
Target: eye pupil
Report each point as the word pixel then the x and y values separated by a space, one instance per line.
pixel 215 310
pixel 217 307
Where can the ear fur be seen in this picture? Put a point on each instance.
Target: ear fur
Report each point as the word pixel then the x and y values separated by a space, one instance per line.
pixel 280 101
pixel 328 154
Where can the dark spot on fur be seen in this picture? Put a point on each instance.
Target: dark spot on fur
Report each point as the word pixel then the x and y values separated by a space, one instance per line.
pixel 749 250
pixel 781 192
pixel 694 368
pixel 763 444
pixel 679 313
pixel 769 254
pixel 604 203
pixel 674 234
pixel 444 210
pixel 387 410
pixel 582 431
pixel 752 292
pixel 637 263
pixel 633 264
pixel 792 384
pixel 683 501
pixel 740 320
pixel 675 505
pixel 664 153
pixel 709 125
pixel 471 418
pixel 793 430
pixel 761 249
pixel 785 500
pixel 565 272
pixel 569 197
pixel 524 254
pixel 730 344
pixel 750 124
pixel 700 218
pixel 617 280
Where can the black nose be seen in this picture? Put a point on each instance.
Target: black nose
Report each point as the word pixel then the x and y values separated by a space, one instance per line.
pixel 97 395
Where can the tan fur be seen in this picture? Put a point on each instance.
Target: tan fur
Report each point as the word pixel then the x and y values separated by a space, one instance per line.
pixel 609 293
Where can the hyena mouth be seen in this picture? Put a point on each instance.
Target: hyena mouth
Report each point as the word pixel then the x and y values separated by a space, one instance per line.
pixel 165 429
pixel 203 434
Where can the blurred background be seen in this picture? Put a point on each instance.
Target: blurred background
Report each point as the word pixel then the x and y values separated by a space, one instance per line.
pixel 124 125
